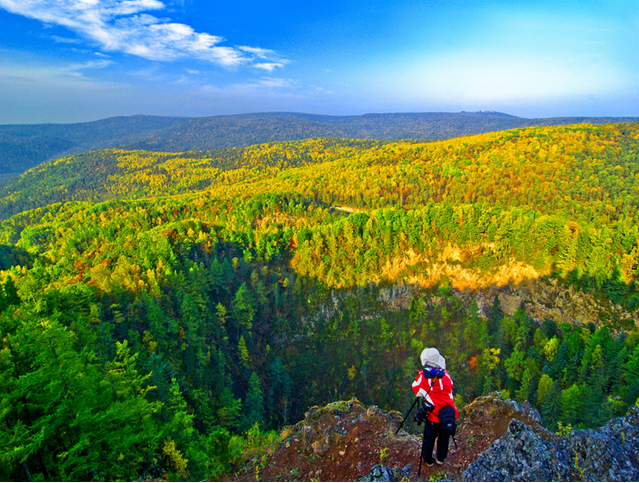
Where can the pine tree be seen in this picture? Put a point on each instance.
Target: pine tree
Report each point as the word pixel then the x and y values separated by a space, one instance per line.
pixel 279 393
pixel 10 290
pixel 560 361
pixel 253 404
pixel 192 349
pixel 243 310
pixel 227 407
pixel 631 367
pixel 551 407
pixel 545 383
pixel 573 402
pixel 495 315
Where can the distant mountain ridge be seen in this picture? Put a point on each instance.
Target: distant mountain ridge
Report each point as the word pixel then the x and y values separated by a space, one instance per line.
pixel 25 146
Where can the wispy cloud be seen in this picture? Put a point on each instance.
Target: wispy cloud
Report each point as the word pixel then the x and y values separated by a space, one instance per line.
pixel 124 26
pixel 65 40
pixel 265 84
pixel 257 52
pixel 271 83
pixel 93 64
pixel 53 73
pixel 269 66
pixel 269 59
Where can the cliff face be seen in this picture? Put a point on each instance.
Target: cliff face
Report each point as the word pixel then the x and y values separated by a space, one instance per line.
pixel 543 298
pixel 497 440
pixel 548 298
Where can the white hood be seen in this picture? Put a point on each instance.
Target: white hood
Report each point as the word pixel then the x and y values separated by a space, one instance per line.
pixel 431 357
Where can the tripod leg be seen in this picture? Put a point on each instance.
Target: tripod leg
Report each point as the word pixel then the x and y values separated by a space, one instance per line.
pixel 421 453
pixel 406 417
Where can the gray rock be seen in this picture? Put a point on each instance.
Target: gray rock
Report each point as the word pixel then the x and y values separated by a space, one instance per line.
pixel 520 455
pixel 609 453
pixel 379 473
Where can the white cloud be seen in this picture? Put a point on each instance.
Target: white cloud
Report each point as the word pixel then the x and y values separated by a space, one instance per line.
pixel 269 66
pixel 65 40
pixel 271 82
pixel 271 60
pixel 122 26
pixel 58 74
pixel 259 85
pixel 93 64
pixel 258 52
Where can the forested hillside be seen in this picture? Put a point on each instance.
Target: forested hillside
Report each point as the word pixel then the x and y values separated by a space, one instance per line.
pixel 25 146
pixel 160 313
pixel 247 129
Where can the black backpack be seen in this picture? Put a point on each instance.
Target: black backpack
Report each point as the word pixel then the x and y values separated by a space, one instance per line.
pixel 447 419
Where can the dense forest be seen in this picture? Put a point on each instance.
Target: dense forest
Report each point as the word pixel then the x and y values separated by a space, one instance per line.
pixel 163 313
pixel 25 146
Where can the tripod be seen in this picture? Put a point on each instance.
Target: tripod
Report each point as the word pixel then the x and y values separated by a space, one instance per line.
pixel 420 418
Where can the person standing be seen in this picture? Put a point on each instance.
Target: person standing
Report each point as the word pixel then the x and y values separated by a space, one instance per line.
pixel 435 385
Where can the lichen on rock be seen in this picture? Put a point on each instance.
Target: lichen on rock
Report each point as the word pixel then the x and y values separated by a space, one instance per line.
pixel 606 454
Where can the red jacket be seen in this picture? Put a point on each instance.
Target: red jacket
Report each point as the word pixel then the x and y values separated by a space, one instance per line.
pixel 437 391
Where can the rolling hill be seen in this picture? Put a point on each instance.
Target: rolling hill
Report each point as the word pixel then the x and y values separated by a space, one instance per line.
pixel 163 314
pixel 26 146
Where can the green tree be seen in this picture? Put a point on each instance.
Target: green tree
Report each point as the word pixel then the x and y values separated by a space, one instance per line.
pixel 243 308
pixel 253 404
pixel 545 383
pixel 551 406
pixel 573 402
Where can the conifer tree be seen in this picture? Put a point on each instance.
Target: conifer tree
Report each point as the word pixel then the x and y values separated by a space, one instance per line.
pixel 545 383
pixel 243 308
pixel 573 402
pixel 551 406
pixel 253 405
pixel 279 393
pixel 10 290
pixel 495 315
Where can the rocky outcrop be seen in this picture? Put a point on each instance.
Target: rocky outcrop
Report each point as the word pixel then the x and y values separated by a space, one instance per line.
pixel 527 454
pixel 344 441
pixel 497 440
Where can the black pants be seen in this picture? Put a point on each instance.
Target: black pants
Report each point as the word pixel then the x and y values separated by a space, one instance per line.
pixel 432 432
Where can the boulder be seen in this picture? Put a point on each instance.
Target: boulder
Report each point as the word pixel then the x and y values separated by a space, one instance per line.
pixel 523 454
pixel 379 473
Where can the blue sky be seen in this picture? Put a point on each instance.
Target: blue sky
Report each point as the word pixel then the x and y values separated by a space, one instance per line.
pixel 83 60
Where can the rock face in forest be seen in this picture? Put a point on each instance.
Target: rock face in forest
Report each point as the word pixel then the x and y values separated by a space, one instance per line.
pixel 548 298
pixel 542 297
pixel 609 453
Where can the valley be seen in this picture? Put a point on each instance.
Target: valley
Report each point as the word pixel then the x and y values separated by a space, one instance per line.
pixel 165 314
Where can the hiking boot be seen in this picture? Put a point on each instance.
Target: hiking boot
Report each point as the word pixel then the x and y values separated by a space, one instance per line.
pixel 428 463
pixel 439 462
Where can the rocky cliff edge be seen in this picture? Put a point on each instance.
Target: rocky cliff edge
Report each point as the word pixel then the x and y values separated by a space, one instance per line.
pixel 497 440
